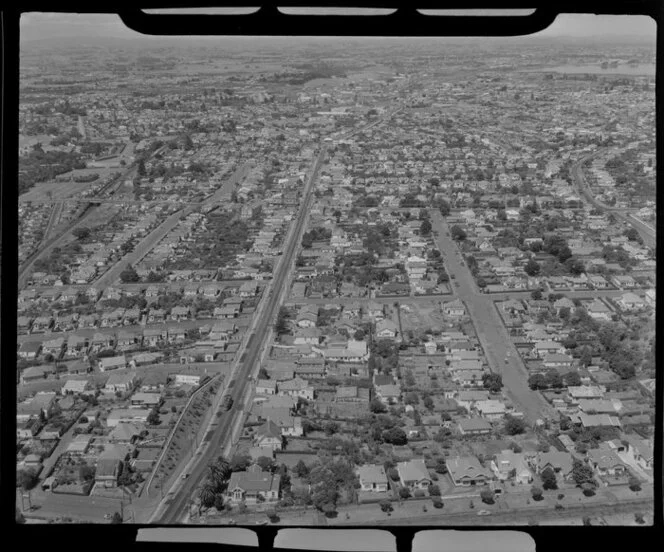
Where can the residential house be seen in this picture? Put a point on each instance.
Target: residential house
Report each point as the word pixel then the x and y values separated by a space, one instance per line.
pixel 372 478
pixel 467 471
pixel 509 465
pixel 414 474
pixel 248 485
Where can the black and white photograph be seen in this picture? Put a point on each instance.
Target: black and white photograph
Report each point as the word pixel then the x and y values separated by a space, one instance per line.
pixel 336 281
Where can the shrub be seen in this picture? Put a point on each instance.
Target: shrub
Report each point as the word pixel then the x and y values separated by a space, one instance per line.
pixel 559 507
pixel 589 491
pixel 634 484
pixel 393 474
pixel 404 492
pixel 437 502
pixel 434 490
pixel 536 493
pixel 638 518
pixel 487 496
pixel 561 496
pixel 419 493
pixel 386 505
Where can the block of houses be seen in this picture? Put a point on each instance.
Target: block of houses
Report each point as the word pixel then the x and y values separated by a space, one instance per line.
pixel 246 486
pixel 511 466
pixel 372 478
pixel 414 474
pixel 466 471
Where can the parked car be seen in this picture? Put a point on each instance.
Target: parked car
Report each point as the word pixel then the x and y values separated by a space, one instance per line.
pixel 484 513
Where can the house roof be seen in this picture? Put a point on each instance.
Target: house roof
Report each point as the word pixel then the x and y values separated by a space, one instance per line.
pixel 413 470
pixel 372 473
pixel 254 480
pixel 556 459
pixel 466 467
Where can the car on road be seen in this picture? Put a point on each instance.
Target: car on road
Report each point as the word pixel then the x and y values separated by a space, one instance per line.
pixel 484 513
pixel 185 475
pixel 261 522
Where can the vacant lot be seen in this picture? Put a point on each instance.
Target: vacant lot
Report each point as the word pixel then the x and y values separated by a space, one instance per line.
pixel 418 316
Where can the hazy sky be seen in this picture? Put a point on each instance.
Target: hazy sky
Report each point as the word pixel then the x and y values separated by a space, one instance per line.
pixel 40 26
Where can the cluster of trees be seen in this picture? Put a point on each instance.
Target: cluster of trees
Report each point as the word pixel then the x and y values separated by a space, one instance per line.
pixel 41 166
pixel 493 382
pixel 553 380
pixel 211 493
pixel 315 234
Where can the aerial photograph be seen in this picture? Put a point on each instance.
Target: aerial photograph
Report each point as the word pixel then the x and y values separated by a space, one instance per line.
pixel 325 281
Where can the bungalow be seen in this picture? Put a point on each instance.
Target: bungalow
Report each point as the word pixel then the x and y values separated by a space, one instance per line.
pixel 372 478
pixel 623 282
pixel 542 348
pixel 248 289
pixel 491 409
pixel 307 336
pixel 180 313
pixel 147 400
pixel 352 394
pixel 247 486
pixel 268 435
pixel 100 342
pixel 606 462
pixel 556 360
pixel 388 393
pixel 414 474
pixel 630 302
pixel 474 426
pixel 307 317
pixel 560 462
pixel 266 387
pixel 76 386
pixel 296 387
pixel 386 329
pixel 120 382
pixel 106 473
pixel 119 416
pixel 29 350
pixel 511 465
pixel 641 451
pixel 53 347
pixel 36 373
pixel 151 337
pixel 112 363
pixel 598 281
pixel 76 346
pixel 599 311
pixel 454 308
pixel 467 471
pixel 126 432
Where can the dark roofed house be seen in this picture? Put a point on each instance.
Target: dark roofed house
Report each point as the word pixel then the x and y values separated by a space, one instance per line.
pixel 248 485
pixel 107 473
pixel 467 471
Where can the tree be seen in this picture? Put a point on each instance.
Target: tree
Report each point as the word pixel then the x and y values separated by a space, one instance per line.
pixel 377 406
pixel 395 436
pixel 441 466
pixel 582 473
pixel 548 477
pixel 537 381
pixel 536 493
pixel 425 228
pixel 26 479
pixel 81 233
pixel 488 496
pixel 437 502
pixel 572 379
pixel 153 417
pixel 536 294
pixel 219 502
pixel 129 275
pixel 412 398
pixel 404 493
pixel 458 233
pixel 240 462
pixel 532 268
pixel 117 518
pixel 428 403
pixel 634 484
pixel 393 474
pixel 514 426
pixel 300 469
pixel 386 505
pixel 265 463
pixel 434 490
pixel 493 382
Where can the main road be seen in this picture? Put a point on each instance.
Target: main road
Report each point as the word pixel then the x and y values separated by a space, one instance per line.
pixel 176 509
pixel 648 233
pixel 491 332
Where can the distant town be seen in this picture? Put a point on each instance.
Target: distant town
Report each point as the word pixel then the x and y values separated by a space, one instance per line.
pixel 343 284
